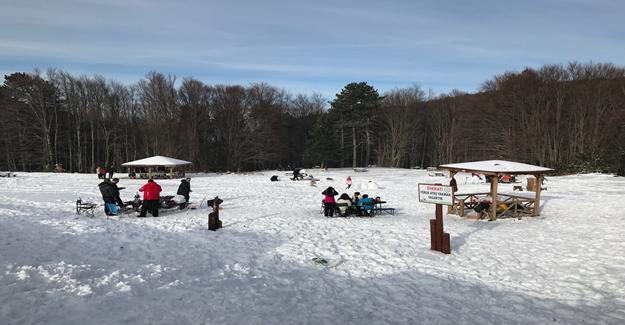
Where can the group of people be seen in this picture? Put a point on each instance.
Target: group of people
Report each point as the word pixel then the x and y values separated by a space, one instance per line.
pixel 101 172
pixel 151 196
pixel 360 205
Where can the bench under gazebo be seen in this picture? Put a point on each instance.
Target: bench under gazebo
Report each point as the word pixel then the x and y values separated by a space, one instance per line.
pixel 157 167
pixel 510 204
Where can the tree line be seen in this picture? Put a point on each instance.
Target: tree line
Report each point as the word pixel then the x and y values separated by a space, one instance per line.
pixel 569 117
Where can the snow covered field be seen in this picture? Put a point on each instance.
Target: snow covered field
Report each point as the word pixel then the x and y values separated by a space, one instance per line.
pixel 566 266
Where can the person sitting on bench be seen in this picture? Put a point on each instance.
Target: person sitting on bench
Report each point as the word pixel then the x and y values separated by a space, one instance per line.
pixel 366 204
pixel 344 203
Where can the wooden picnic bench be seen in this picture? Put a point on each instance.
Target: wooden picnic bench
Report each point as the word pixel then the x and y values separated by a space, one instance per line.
pixel 516 205
pixel 379 209
pixel 464 201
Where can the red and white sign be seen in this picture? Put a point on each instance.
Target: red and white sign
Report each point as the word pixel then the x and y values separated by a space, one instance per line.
pixel 435 194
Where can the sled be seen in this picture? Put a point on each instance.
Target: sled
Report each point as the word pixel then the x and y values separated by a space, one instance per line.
pixel 88 208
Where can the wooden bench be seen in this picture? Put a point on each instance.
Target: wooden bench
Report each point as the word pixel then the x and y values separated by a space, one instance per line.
pixel 465 201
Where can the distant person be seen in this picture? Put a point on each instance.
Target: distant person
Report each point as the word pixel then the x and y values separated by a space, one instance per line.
pixel 185 188
pixel 344 203
pixel 356 198
pixel 110 195
pixel 101 172
pixel 112 170
pixel 476 175
pixel 453 184
pixel 296 173
pixel 328 201
pixel 348 181
pixel 151 198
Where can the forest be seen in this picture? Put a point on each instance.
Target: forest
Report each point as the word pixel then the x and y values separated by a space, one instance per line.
pixel 569 117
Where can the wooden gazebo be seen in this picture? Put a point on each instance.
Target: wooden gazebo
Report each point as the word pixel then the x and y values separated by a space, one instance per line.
pixel 496 168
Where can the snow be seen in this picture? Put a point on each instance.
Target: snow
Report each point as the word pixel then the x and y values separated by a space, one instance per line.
pixel 157 161
pixel 566 266
pixel 497 166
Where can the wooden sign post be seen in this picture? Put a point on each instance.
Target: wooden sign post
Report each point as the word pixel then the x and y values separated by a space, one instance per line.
pixel 213 218
pixel 439 195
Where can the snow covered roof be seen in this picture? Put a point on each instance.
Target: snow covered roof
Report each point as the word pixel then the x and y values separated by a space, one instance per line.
pixel 497 167
pixel 157 161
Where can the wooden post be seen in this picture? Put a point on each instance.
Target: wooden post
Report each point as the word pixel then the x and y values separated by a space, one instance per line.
pixel 439 226
pixel 537 199
pixel 494 180
pixel 439 240
pixel 446 249
pixel 213 218
pixel 433 233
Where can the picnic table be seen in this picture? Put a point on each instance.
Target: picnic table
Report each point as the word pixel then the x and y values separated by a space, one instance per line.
pixel 512 204
pixel 378 208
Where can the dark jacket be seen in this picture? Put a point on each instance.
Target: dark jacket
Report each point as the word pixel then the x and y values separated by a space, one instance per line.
pixel 184 188
pixel 329 195
pixel 108 189
pixel 110 192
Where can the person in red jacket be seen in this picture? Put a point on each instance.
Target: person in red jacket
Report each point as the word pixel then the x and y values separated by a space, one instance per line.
pixel 151 198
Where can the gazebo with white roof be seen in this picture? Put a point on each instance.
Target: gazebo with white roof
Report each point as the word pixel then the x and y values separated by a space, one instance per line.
pixel 495 168
pixel 153 163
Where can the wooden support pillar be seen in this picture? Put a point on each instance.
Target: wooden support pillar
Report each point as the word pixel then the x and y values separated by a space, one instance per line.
pixel 439 240
pixel 494 180
pixel 537 199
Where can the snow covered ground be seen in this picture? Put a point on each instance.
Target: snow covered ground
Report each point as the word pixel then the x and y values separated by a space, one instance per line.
pixel 566 266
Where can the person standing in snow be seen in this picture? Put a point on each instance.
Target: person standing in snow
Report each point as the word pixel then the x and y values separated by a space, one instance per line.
pixel 112 171
pixel 348 181
pixel 101 172
pixel 110 195
pixel 328 201
pixel 151 198
pixel 185 188
pixel 453 184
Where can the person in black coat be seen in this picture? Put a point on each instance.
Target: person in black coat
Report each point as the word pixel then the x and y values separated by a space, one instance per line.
pixel 110 195
pixel 185 188
pixel 112 169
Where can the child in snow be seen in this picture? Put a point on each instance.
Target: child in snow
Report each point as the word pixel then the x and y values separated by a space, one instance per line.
pixel 348 181
pixel 328 201
pixel 110 195
pixel 185 188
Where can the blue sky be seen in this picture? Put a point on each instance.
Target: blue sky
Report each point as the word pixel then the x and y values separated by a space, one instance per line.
pixel 309 46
